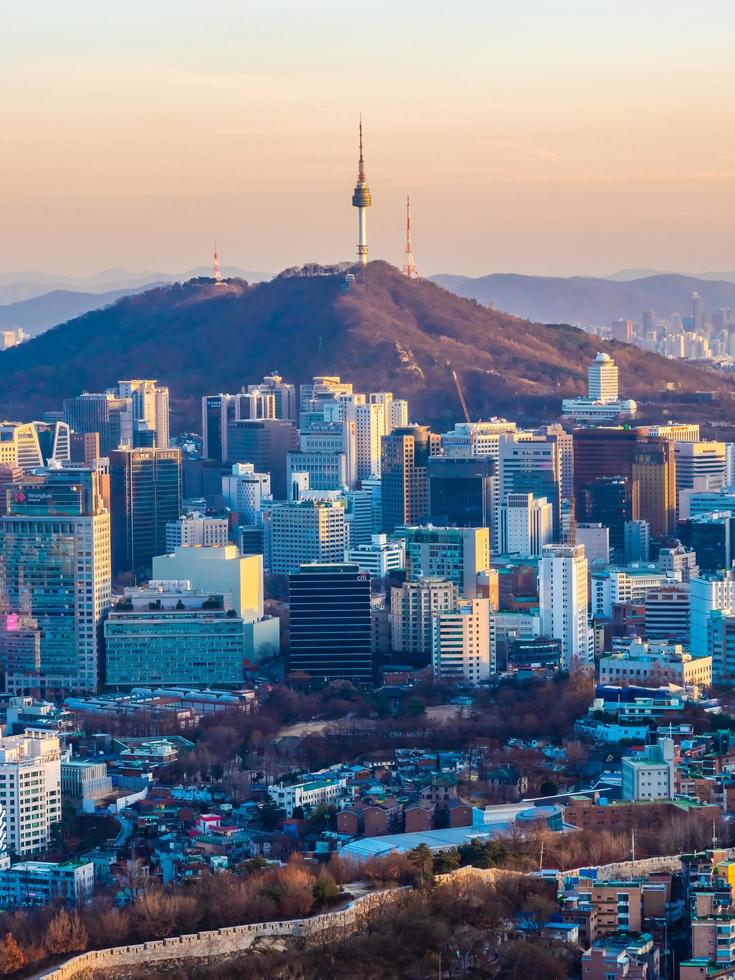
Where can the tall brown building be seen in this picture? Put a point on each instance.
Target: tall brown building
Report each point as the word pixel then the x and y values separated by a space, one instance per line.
pixel 84 447
pixel 606 451
pixel 654 470
pixel 404 475
pixel 646 462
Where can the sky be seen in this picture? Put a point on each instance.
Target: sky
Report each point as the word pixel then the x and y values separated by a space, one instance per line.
pixel 551 137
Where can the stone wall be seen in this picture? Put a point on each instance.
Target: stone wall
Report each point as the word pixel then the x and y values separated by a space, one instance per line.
pixel 220 942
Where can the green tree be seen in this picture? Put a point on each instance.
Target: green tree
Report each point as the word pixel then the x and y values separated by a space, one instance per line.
pixel 325 889
pixel 423 860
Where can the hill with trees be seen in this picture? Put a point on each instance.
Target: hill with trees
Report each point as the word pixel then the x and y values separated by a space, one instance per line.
pixel 379 330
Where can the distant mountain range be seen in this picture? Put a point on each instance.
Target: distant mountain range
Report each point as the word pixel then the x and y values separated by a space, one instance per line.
pixel 42 312
pixel 18 286
pixel 589 302
pixel 380 331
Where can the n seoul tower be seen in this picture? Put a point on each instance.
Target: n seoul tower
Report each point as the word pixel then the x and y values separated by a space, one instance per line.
pixel 361 200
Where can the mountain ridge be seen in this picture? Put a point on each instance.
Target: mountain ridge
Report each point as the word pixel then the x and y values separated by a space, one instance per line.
pixel 590 301
pixel 381 331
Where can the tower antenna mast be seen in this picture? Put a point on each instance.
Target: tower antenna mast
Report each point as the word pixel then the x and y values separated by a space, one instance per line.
pixel 216 274
pixel 409 268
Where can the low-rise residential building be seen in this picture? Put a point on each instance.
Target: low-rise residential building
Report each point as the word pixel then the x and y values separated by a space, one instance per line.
pixel 29 883
pixel 650 775
pixel 656 661
pixel 315 792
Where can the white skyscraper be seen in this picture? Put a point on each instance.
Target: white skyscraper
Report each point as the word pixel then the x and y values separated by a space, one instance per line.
pixel 30 789
pixel 245 492
pixel 150 407
pixel 602 379
pixel 526 525
pixel 705 595
pixel 563 596
pixel 304 531
pixel 462 648
pixel 196 530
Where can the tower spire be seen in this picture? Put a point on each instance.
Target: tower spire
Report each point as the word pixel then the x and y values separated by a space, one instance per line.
pixel 216 274
pixel 409 269
pixel 361 200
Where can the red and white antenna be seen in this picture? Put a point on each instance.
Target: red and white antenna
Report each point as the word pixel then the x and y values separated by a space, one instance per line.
pixel 409 269
pixel 216 274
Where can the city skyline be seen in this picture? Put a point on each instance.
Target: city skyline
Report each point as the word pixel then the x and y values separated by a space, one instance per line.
pixel 540 141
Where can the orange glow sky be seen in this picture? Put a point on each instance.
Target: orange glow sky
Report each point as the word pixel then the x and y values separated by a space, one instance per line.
pixel 552 137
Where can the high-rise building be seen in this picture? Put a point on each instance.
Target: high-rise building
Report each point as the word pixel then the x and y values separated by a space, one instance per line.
pixel 284 396
pixel 720 645
pixel 168 633
pixel 667 613
pixel 19 445
pixel 413 607
pixel 563 593
pixel 654 470
pixel 84 447
pixel 395 410
pixel 603 451
pixel 266 444
pixel 698 459
pixel 325 471
pixel 707 593
pixel 217 569
pixel 404 475
pixel 10 477
pixel 462 648
pixel 622 330
pixel 304 531
pixel 712 538
pixel 150 412
pixel 469 439
pixel 105 413
pixel 370 428
pixel 245 492
pixel 330 627
pixel 379 557
pixel 636 541
pixel 611 501
pixel 602 379
pixel 195 529
pixel 145 490
pixel 461 491
pixel 55 572
pixel 217 412
pixel 30 789
pixel 460 554
pixel 596 541
pixel 531 464
pixel 526 525
pixel 602 403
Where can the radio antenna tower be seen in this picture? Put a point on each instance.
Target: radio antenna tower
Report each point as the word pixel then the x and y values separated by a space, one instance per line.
pixel 409 269
pixel 216 274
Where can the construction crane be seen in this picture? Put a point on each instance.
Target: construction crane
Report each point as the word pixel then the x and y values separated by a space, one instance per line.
pixel 459 392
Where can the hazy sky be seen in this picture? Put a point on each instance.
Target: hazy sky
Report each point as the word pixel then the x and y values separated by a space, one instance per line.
pixel 542 136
